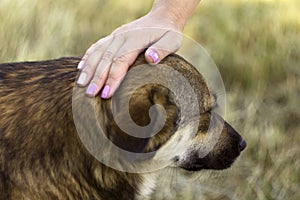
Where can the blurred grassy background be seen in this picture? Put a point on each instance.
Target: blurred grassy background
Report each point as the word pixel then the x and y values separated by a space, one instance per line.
pixel 255 44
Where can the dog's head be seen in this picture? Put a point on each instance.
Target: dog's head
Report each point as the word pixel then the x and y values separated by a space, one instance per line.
pixel 203 141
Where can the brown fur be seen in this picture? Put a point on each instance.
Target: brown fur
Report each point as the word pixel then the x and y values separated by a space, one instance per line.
pixel 41 155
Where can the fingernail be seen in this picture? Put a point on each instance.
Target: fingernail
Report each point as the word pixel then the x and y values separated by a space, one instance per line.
pixel 91 89
pixel 105 91
pixel 153 55
pixel 80 65
pixel 81 79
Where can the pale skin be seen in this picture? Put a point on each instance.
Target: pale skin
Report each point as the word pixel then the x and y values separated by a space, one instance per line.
pixel 158 33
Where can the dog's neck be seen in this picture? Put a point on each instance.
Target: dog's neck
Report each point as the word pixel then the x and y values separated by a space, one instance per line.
pixel 147 185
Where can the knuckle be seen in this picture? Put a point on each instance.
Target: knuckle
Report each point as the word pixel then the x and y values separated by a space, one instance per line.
pixel 104 40
pixel 99 50
pixel 84 58
pixel 117 30
pixel 108 55
pixel 122 37
pixel 122 28
pixel 92 48
pixel 121 60
pixel 98 78
pixel 87 69
pixel 113 78
pixel 88 52
pixel 92 53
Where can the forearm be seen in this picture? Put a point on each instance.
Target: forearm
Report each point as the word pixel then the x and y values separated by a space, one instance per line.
pixel 178 11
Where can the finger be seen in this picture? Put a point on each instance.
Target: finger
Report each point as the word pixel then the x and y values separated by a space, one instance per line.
pixel 104 65
pixel 91 60
pixel 118 71
pixel 167 44
pixel 91 49
pixel 80 65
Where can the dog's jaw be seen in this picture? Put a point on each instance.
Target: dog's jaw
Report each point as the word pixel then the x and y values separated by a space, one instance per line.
pixel 179 141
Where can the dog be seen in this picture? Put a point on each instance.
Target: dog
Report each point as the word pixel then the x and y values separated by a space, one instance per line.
pixel 43 157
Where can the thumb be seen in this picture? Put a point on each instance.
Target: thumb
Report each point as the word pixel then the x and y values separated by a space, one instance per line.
pixel 167 44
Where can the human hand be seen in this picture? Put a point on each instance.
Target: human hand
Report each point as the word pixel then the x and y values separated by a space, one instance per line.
pixel 106 62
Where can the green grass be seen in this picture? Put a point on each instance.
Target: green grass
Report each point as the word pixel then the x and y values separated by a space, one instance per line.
pixel 255 44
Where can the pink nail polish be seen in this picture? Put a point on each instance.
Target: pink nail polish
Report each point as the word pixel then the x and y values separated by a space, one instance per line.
pixel 105 91
pixel 80 65
pixel 91 89
pixel 153 55
pixel 81 79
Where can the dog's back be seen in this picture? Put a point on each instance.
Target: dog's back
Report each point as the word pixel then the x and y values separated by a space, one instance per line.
pixel 41 156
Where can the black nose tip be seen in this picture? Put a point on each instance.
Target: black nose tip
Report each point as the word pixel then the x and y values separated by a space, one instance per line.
pixel 242 145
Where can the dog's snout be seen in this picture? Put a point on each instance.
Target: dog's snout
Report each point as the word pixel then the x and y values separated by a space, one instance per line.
pixel 242 145
pixel 240 141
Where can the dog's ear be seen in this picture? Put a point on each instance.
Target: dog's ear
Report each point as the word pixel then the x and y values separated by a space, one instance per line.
pixel 139 106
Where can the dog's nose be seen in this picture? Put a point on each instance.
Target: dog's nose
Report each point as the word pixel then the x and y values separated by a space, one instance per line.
pixel 242 145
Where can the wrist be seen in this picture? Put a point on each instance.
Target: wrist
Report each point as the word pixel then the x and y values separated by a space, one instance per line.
pixel 171 15
pixel 176 12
